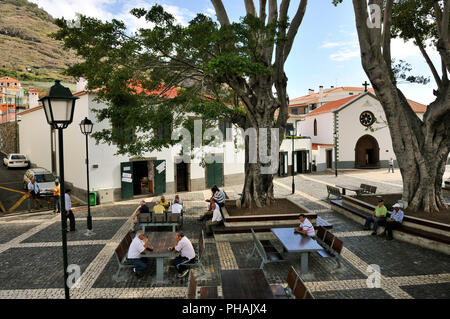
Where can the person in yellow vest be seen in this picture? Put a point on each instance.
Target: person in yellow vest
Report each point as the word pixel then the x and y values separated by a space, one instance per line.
pixel 158 208
pixel 56 194
pixel 164 202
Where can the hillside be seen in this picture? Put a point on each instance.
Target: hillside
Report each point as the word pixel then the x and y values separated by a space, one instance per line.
pixel 26 51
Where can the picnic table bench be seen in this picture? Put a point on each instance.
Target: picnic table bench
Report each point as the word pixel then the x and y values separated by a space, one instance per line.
pixel 295 288
pixel 193 292
pixel 121 254
pixel 332 245
pixel 265 250
pixel 165 219
pixel 333 191
pixel 368 189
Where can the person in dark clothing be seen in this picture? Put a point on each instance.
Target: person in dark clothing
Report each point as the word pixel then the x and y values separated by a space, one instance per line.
pixel 69 213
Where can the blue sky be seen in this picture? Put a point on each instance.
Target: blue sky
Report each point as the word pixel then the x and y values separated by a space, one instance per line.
pixel 325 52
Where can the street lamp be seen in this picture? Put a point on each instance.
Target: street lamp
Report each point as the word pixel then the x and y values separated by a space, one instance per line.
pixel 58 107
pixel 293 175
pixel 86 128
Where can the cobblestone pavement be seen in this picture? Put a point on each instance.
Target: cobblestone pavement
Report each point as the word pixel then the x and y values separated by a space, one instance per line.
pixel 31 254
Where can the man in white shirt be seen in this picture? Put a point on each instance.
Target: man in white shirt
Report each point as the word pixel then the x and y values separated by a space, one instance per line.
pixel 138 246
pixel 33 192
pixel 306 228
pixel 394 222
pixel 186 251
pixel 176 207
pixel 69 213
pixel 216 218
pixel 391 165
pixel 180 201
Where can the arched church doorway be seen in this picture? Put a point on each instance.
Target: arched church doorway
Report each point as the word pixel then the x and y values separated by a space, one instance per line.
pixel 367 153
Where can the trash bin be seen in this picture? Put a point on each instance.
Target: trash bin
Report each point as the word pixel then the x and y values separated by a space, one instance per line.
pixel 92 198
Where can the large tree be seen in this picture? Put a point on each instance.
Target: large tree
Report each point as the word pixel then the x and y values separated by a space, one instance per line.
pixel 421 146
pixel 219 71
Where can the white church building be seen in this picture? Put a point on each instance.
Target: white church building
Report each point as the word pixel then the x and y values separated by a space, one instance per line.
pixel 354 119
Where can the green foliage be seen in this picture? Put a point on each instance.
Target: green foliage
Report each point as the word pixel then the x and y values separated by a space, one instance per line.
pixel 137 70
pixel 401 70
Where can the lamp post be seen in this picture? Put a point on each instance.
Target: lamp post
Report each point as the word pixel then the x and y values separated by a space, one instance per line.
pixel 335 135
pixel 59 107
pixel 293 175
pixel 86 128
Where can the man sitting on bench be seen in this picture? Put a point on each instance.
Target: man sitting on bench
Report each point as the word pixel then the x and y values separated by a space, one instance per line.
pixel 164 202
pixel 216 218
pixel 394 222
pixel 158 208
pixel 142 209
pixel 306 228
pixel 138 246
pixel 378 217
pixel 187 254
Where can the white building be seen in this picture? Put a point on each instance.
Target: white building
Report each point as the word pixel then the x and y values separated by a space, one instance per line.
pixel 117 177
pixel 363 137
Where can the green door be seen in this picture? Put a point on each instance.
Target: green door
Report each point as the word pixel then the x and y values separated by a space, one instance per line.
pixel 160 177
pixel 126 177
pixel 214 174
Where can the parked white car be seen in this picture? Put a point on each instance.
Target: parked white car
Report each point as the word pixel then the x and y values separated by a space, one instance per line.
pixel 16 160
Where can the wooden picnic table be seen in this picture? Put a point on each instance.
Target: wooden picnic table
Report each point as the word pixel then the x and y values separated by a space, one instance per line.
pixel 245 284
pixel 349 187
pixel 160 241
pixel 297 243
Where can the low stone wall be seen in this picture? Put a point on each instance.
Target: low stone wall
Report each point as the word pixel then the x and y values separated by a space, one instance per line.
pixel 8 138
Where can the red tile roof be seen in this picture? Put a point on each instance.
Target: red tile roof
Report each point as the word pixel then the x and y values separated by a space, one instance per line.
pixel 316 146
pixel 314 97
pixel 330 106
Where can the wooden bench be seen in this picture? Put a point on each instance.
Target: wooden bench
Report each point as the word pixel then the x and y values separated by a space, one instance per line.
pixel 368 189
pixel 165 219
pixel 265 250
pixel 121 254
pixel 333 191
pixel 330 243
pixel 404 229
pixel 200 252
pixel 295 288
pixel 203 293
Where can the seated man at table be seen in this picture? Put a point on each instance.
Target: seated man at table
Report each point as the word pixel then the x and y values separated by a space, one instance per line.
pixel 394 222
pixel 138 246
pixel 176 207
pixel 158 208
pixel 378 217
pixel 142 209
pixel 164 202
pixel 179 200
pixel 216 218
pixel 209 214
pixel 305 228
pixel 186 251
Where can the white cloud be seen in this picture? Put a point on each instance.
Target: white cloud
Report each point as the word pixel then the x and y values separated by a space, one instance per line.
pixel 344 54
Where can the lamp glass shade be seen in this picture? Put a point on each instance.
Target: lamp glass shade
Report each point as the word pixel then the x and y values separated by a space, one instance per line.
pixel 86 126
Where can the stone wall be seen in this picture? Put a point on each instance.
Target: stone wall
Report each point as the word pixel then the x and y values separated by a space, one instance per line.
pixel 8 137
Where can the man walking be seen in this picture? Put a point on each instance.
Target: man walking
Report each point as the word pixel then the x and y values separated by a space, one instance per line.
pixel 391 165
pixel 186 251
pixel 378 217
pixel 69 213
pixel 56 194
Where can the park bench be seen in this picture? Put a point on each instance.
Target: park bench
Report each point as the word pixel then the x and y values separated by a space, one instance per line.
pixel 332 245
pixel 367 189
pixel 295 288
pixel 121 254
pixel 203 293
pixel 165 219
pixel 199 255
pixel 333 191
pixel 265 250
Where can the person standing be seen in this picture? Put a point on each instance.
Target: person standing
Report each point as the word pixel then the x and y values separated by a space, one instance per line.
pixel 378 217
pixel 69 213
pixel 216 218
pixel 391 165
pixel 138 246
pixel 305 228
pixel 56 194
pixel 395 221
pixel 33 192
pixel 186 251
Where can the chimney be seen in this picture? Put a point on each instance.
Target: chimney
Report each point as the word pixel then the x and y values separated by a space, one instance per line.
pixel 310 91
pixel 33 98
pixel 320 93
